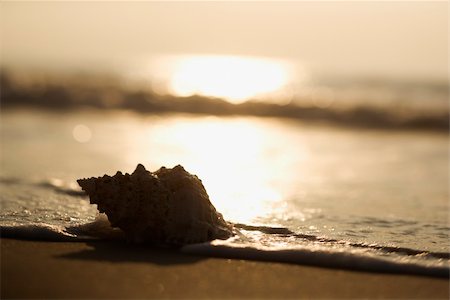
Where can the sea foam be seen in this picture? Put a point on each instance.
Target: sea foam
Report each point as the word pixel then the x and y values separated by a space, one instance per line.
pixel 275 246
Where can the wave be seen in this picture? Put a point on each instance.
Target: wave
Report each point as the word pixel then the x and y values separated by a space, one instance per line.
pixel 263 243
pixel 282 231
pixel 330 258
pixel 57 185
pixel 430 112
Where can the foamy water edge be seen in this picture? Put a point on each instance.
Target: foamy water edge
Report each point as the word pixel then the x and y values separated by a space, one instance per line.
pixel 241 247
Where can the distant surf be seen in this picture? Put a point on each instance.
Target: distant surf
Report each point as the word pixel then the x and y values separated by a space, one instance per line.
pixel 358 104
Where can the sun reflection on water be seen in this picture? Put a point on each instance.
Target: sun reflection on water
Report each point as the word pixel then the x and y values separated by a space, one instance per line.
pixel 233 78
pixel 229 157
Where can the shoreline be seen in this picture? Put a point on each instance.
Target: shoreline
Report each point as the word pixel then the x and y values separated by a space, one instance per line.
pixel 33 269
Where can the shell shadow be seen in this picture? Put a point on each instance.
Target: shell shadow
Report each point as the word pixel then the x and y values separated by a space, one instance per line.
pixel 122 252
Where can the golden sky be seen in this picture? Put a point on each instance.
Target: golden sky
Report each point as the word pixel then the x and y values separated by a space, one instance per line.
pixel 395 39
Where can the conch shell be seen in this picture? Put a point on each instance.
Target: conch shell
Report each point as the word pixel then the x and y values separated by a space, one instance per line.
pixel 169 206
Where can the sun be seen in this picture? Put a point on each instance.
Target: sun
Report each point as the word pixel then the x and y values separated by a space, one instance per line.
pixel 233 78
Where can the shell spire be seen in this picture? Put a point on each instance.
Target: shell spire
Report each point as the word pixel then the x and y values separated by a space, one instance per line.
pixel 168 206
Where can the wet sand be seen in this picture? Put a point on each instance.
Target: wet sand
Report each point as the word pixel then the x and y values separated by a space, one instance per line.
pixel 32 269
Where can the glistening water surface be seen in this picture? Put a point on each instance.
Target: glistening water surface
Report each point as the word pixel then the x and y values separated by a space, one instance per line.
pixel 388 188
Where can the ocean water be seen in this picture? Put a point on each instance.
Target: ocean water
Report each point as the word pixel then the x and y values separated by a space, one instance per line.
pixel 298 193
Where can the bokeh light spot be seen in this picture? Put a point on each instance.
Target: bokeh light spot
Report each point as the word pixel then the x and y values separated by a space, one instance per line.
pixel 81 133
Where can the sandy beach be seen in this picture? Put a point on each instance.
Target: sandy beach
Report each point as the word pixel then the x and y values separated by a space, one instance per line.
pixel 32 269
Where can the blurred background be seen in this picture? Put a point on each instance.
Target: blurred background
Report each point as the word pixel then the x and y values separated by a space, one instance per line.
pixel 306 114
pixel 365 58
